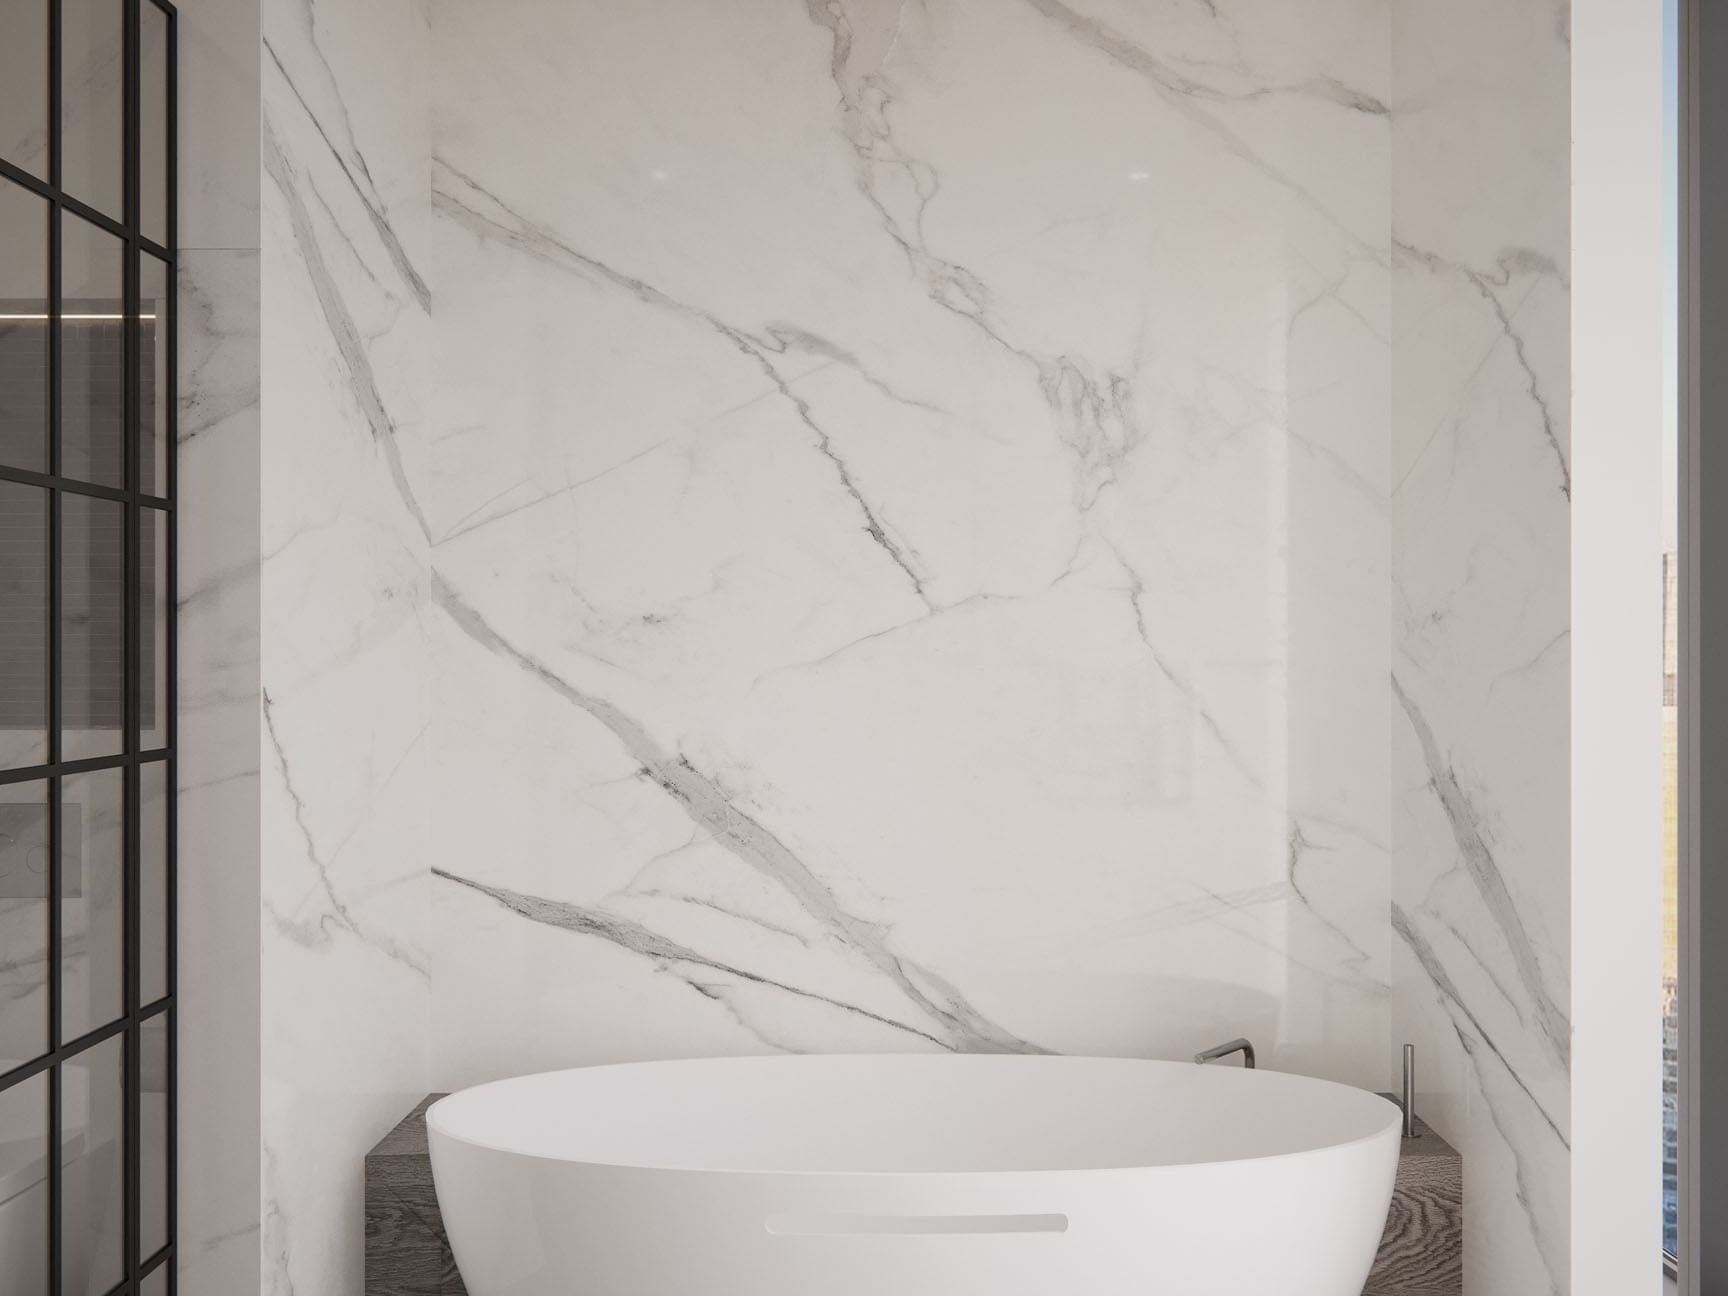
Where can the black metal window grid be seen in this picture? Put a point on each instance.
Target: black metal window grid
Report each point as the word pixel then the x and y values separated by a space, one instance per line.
pixel 87 652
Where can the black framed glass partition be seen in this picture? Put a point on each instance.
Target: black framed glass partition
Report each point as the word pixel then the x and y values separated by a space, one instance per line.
pixel 87 283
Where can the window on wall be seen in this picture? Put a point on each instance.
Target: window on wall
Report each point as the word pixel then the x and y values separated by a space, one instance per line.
pixel 86 641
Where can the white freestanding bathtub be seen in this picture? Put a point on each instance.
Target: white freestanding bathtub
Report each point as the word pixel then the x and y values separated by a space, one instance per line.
pixel 914 1176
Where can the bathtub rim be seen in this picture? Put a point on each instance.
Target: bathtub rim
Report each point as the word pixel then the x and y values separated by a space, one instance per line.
pixel 435 1130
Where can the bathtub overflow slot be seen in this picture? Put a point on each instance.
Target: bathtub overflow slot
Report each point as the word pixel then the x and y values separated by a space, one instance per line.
pixel 910 1225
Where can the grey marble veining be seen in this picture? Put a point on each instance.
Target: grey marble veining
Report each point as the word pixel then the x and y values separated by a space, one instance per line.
pixel 713 812
pixel 909 520
pixel 1481 578
pixel 342 705
pixel 888 543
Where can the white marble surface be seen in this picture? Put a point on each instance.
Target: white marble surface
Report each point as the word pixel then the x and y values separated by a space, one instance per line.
pixel 910 529
pixel 218 609
pixel 890 540
pixel 346 208
pixel 220 113
pixel 218 771
pixel 1481 578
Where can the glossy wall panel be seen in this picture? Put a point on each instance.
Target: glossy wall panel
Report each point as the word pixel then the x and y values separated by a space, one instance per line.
pixel 910 530
pixel 343 600
pixel 1481 675
pixel 215 782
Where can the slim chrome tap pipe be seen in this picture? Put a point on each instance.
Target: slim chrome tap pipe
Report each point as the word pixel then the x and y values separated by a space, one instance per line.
pixel 1241 1046
pixel 1409 1091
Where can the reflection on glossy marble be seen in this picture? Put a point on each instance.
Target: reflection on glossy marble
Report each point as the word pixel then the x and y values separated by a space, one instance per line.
pixel 217 768
pixel 910 530
pixel 1481 577
pixel 346 205
pixel 217 771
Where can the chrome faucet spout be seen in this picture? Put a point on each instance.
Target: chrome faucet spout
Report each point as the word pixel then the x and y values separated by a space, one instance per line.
pixel 1241 1046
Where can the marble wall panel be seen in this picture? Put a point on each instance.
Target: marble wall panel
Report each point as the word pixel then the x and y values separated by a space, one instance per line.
pixel 909 526
pixel 1481 578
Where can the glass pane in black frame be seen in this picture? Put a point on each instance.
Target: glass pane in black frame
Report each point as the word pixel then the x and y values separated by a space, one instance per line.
pixel 24 1117
pixel 93 1163
pixel 152 1137
pixel 92 354
pixel 92 626
pixel 153 39
pixel 153 386
pixel 92 96
pixel 23 926
pixel 24 87
pixel 153 785
pixel 23 625
pixel 92 900
pixel 153 624
pixel 23 325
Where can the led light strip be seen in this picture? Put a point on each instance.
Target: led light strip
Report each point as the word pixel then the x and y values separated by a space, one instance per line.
pixel 72 316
